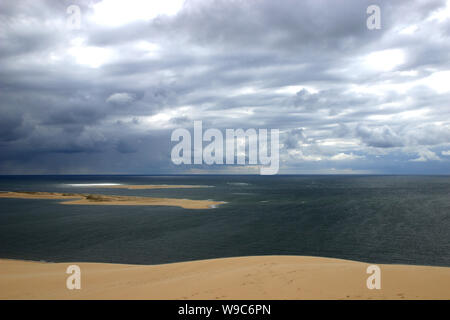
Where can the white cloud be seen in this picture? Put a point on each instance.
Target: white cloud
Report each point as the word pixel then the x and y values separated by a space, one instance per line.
pixel 441 14
pixel 149 49
pixel 409 30
pixel 384 60
pixel 116 13
pixel 446 153
pixel 90 56
pixel 438 81
pixel 298 155
pixel 121 98
pixel 426 155
pixel 294 89
pixel 345 156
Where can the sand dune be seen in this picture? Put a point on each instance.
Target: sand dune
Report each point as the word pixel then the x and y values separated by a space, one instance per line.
pixel 92 199
pixel 265 277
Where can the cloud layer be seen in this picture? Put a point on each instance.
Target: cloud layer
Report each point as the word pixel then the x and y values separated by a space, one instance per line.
pixel 105 98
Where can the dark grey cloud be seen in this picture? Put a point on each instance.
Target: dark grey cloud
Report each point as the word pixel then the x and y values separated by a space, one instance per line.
pixel 379 137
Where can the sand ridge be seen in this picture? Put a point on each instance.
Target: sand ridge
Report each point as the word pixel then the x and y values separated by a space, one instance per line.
pixel 259 277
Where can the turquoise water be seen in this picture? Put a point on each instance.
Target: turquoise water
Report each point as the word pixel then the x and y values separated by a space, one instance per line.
pixel 379 219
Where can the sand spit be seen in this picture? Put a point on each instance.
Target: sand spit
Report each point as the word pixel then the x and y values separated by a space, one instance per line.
pixel 96 199
pixel 150 186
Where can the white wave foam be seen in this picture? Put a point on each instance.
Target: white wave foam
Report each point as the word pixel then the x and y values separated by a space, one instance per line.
pixel 214 206
pixel 93 184
pixel 238 183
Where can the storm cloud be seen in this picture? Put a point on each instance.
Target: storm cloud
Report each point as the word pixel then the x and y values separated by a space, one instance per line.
pixel 105 97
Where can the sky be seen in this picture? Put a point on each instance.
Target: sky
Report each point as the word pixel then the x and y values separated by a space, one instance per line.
pixel 104 96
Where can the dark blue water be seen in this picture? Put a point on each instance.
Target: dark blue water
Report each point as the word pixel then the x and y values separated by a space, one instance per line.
pixel 379 219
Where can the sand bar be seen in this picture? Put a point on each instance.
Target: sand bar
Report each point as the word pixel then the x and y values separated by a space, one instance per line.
pixel 136 186
pixel 264 277
pixel 150 186
pixel 92 199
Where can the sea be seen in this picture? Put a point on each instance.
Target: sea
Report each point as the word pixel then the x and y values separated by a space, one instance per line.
pixel 376 219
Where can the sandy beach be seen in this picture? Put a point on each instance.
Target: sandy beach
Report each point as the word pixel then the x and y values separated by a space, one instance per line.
pixel 260 277
pixel 91 199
